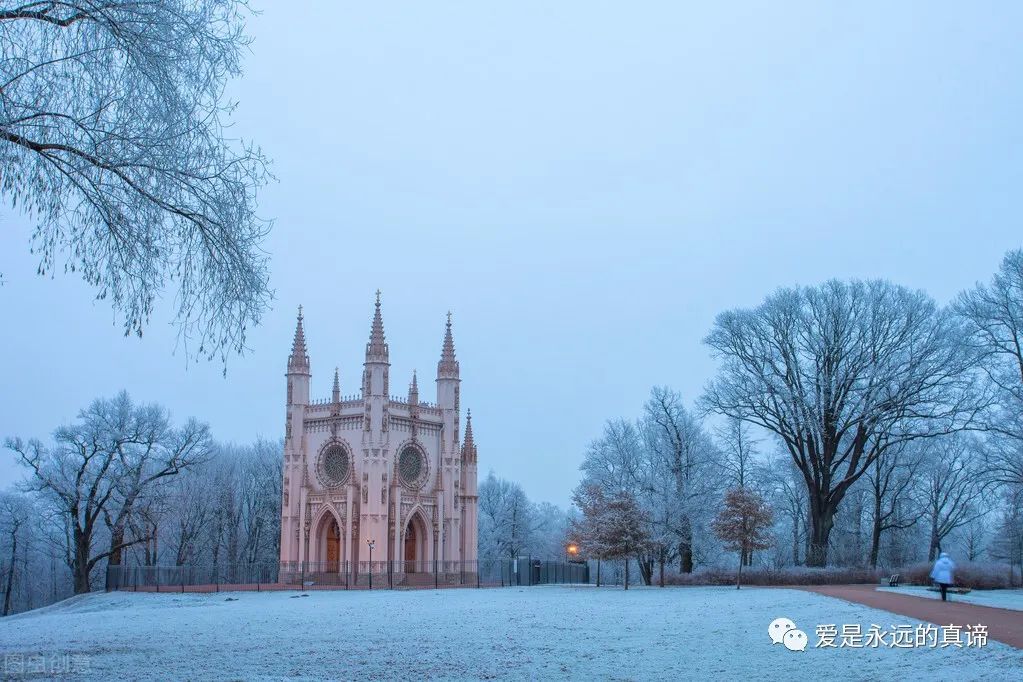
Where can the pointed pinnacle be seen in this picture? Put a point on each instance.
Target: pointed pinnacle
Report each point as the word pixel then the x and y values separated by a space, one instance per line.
pixel 377 346
pixel 299 358
pixel 468 444
pixel 447 368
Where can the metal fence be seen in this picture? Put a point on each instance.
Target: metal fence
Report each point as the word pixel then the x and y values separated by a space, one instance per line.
pixel 345 575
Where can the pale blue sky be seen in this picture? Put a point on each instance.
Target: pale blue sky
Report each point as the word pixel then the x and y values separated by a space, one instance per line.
pixel 584 184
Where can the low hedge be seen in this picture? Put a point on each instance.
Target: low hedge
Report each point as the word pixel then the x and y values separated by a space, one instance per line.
pixel 972 574
pixel 768 576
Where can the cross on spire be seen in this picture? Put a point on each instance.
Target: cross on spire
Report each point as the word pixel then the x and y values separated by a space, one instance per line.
pixel 447 368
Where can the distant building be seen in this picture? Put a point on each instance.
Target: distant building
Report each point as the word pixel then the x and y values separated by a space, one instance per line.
pixel 376 467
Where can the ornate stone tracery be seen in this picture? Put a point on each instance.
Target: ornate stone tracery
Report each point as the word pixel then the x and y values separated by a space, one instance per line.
pixel 338 449
pixel 334 464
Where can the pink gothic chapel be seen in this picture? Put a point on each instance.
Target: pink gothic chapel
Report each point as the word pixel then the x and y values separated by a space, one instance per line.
pixel 374 468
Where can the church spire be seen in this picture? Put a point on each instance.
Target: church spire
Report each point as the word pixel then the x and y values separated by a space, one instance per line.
pixel 468 445
pixel 376 349
pixel 298 361
pixel 447 368
pixel 413 390
pixel 336 395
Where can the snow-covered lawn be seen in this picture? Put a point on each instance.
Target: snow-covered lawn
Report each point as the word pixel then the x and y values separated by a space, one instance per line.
pixel 516 633
pixel 1002 599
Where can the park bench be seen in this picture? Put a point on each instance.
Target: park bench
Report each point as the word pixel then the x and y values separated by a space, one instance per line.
pixel 894 580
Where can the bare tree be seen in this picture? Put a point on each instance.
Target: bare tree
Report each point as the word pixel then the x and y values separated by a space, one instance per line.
pixel 994 317
pixel 791 497
pixel 890 479
pixel 615 460
pixel 14 521
pixel 90 472
pixel 738 452
pixel 509 524
pixel 160 451
pixel 975 539
pixel 678 477
pixel 738 459
pixel 113 139
pixel 841 373
pixel 953 485
pixel 1007 544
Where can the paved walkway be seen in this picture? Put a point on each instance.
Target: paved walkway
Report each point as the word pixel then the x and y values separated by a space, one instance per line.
pixel 1004 625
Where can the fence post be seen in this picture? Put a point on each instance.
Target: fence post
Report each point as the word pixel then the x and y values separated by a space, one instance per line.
pixel 435 583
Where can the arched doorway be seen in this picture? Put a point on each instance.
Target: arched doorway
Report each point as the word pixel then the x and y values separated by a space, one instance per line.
pixel 410 548
pixel 415 545
pixel 333 546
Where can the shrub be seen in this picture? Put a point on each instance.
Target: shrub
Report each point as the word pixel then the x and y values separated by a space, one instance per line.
pixel 770 576
pixel 975 575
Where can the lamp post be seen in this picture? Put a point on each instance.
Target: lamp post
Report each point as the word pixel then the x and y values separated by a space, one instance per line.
pixel 371 544
pixel 573 551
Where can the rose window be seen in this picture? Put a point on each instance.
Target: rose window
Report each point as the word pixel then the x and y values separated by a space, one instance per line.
pixel 335 465
pixel 410 466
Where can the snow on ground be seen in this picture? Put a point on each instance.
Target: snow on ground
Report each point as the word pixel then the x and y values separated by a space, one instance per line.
pixel 515 633
pixel 1002 599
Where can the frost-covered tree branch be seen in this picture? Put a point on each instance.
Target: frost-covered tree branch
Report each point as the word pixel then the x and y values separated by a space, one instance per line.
pixel 994 317
pixel 841 373
pixel 114 140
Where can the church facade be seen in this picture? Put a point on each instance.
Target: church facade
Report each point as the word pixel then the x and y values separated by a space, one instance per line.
pixel 374 472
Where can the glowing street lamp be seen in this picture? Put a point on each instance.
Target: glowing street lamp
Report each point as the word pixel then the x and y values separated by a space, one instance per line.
pixel 573 550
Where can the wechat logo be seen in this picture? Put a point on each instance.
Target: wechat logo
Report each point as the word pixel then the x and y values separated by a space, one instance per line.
pixel 783 631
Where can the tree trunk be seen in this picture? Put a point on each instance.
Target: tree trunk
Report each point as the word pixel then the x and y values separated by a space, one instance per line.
pixel 738 574
pixel 875 534
pixel 116 548
pixel 646 569
pixel 822 518
pixel 598 572
pixel 626 574
pixel 685 564
pixel 795 541
pixel 10 572
pixel 661 570
pixel 80 570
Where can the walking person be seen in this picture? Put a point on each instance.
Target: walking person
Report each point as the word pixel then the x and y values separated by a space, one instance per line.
pixel 943 573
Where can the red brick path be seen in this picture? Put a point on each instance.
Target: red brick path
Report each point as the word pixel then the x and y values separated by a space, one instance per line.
pixel 1004 625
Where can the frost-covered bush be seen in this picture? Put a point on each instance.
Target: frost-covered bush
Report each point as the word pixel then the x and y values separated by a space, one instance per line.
pixel 979 576
pixel 785 576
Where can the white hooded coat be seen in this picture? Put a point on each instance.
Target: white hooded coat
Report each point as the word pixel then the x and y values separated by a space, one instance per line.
pixel 944 570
